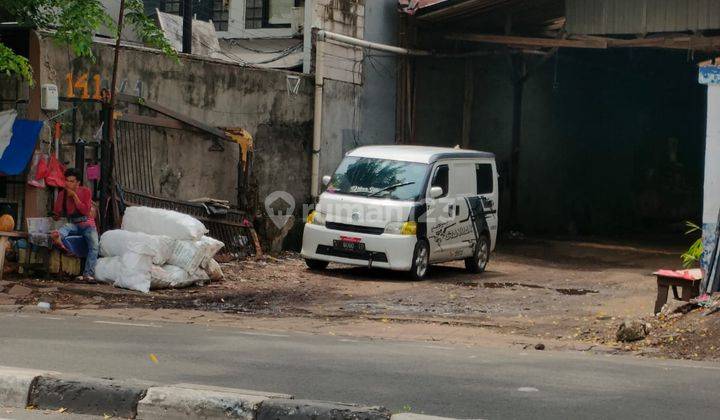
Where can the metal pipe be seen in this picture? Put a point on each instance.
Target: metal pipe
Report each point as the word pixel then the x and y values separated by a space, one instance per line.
pixel 317 121
pixel 323 35
pixel 187 27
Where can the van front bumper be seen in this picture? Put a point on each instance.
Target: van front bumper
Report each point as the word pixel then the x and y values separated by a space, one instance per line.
pixel 386 251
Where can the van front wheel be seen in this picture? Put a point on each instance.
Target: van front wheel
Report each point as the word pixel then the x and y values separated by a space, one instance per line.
pixel 421 260
pixel 477 263
pixel 316 265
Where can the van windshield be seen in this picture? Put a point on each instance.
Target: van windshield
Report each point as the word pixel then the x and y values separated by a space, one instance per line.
pixel 380 178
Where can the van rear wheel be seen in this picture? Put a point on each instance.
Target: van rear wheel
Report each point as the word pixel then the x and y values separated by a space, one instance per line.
pixel 421 260
pixel 316 265
pixel 477 263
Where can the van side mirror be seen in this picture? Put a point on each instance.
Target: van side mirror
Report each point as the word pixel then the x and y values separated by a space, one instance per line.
pixel 326 180
pixel 436 192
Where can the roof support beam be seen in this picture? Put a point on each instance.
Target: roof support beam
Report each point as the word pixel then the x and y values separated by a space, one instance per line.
pixel 528 42
pixel 594 42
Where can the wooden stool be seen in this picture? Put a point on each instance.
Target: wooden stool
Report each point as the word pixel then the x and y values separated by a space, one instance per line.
pixel 690 288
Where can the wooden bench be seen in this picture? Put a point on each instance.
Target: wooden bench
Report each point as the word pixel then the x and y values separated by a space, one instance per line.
pixel 4 239
pixel 688 280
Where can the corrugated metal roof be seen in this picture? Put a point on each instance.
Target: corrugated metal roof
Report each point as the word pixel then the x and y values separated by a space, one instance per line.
pixel 641 16
pixel 412 6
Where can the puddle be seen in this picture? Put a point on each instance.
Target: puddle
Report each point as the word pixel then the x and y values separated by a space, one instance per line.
pixel 562 291
pixel 494 285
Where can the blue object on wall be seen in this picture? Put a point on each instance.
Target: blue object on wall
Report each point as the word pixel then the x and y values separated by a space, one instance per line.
pixel 21 147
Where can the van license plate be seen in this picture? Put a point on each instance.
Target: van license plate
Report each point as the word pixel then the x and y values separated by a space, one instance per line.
pixel 349 246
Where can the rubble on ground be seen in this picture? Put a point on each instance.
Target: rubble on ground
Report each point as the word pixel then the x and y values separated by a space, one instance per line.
pixel 632 330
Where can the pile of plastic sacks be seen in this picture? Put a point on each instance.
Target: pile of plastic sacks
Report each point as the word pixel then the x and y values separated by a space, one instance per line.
pixel 157 249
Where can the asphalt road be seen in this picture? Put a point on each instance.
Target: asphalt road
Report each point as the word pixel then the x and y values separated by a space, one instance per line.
pixel 23 414
pixel 464 382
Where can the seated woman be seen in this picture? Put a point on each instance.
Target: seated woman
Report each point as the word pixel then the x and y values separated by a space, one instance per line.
pixel 75 203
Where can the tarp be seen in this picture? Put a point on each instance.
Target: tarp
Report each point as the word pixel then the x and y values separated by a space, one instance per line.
pixel 21 147
pixel 7 119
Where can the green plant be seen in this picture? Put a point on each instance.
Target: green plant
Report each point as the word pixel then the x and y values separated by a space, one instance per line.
pixel 12 64
pixel 694 253
pixel 74 23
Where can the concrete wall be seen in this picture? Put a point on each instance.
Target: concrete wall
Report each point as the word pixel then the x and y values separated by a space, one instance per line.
pixel 611 141
pixel 218 94
pixel 377 98
pixel 711 196
pixel 362 114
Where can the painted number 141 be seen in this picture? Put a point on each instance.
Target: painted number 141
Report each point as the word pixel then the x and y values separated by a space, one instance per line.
pixel 80 83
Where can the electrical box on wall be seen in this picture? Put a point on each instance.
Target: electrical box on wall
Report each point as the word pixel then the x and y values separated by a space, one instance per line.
pixel 49 97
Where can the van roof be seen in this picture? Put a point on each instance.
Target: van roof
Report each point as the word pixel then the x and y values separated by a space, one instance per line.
pixel 419 154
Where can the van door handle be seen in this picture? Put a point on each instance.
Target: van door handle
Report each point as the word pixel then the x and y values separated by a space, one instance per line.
pixel 457 210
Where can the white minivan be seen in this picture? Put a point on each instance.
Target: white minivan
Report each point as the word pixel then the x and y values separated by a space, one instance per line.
pixel 404 208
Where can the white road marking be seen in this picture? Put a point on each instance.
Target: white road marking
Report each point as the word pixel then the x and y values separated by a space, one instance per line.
pixel 262 334
pixel 528 389
pixel 127 324
pixel 347 340
pixel 670 367
pixel 53 318
pixel 438 348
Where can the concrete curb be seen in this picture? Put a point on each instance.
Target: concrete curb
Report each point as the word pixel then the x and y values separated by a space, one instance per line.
pixel 133 399
pixel 15 385
pixel 85 395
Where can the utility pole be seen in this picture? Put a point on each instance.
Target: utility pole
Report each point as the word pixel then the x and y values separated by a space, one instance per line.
pixel 107 190
pixel 187 27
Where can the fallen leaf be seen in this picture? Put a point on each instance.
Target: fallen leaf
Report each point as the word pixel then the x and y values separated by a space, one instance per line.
pixel 153 358
pixel 62 410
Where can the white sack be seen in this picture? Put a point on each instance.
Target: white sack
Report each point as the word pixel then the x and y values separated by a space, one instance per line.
pixel 169 277
pixel 114 243
pixel 189 255
pixel 130 271
pixel 107 269
pixel 163 222
pixel 200 276
pixel 213 245
pixel 135 273
pixel 212 268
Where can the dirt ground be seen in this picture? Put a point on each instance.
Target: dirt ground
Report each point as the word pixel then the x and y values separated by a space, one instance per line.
pixel 567 295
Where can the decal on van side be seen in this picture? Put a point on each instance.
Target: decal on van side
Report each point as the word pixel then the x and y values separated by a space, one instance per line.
pixel 449 230
pixel 478 215
pixel 446 231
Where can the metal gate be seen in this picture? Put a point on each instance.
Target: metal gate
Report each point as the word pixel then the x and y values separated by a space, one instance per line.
pixel 133 172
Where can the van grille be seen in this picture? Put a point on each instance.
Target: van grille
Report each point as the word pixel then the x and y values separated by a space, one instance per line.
pixel 355 228
pixel 353 255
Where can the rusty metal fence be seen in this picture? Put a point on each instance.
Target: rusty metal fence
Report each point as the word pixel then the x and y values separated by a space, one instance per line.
pixel 133 157
pixel 133 172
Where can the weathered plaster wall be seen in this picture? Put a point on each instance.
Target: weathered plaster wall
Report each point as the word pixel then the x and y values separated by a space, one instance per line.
pixel 364 113
pixel 711 196
pixel 215 93
pixel 377 97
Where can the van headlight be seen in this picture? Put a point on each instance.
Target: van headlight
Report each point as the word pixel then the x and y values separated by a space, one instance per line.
pixel 316 218
pixel 401 228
